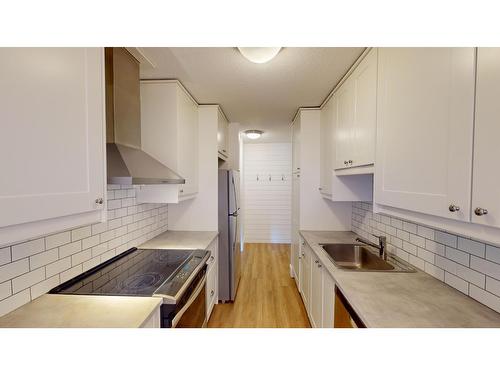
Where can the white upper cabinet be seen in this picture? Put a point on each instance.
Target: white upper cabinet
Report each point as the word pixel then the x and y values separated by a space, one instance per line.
pixel 327 120
pixel 486 178
pixel 169 130
pixel 52 148
pixel 222 136
pixel 425 130
pixel 355 122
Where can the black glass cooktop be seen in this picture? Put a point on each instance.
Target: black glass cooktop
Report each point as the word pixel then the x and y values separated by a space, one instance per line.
pixel 136 273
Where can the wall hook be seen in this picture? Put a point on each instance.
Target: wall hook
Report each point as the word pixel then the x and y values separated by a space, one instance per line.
pixel 269 177
pixel 257 177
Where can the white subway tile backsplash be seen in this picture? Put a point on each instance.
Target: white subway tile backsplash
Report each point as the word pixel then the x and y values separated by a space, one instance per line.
pixel 5 290
pixel 493 286
pixel 456 282
pixel 485 297
pixel 42 259
pixel 15 301
pixel 70 249
pixel 410 227
pixel 435 247
pixel 425 232
pixel 446 239
pixel 58 267
pixel 14 269
pixel 28 279
pixel 72 272
pixel 493 253
pixel 57 240
pixel 457 256
pixel 432 270
pixel 41 288
pixel 472 247
pixel 34 267
pixel 26 249
pixel 80 233
pixel 467 265
pixel 417 262
pixel 486 267
pixel 417 240
pixel 5 256
pixel 90 242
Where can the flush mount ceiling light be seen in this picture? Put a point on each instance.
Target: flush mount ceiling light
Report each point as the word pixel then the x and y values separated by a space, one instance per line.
pixel 253 134
pixel 259 55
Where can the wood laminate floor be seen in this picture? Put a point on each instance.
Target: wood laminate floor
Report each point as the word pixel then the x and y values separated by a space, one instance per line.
pixel 267 296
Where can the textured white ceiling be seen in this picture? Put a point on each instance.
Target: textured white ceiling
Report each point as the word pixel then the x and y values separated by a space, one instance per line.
pixel 259 96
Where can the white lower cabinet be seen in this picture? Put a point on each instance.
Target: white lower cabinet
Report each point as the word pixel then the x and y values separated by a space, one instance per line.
pixel 154 321
pixel 316 304
pixel 212 278
pixel 305 275
pixel 316 287
pixel 328 300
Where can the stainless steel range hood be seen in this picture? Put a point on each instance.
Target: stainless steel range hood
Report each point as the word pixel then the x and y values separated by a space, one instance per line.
pixel 127 164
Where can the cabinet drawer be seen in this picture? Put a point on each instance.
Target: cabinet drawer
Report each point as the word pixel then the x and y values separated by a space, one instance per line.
pixel 213 254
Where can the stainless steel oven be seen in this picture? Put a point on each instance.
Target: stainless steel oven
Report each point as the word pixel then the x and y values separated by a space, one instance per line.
pixel 192 314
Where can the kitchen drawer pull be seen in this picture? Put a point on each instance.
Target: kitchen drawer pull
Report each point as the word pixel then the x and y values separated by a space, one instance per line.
pixel 212 293
pixel 319 265
pixel 212 259
pixel 99 201
pixel 316 261
pixel 481 211
pixel 453 208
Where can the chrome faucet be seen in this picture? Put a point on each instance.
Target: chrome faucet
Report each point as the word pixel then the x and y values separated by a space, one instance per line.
pixel 382 245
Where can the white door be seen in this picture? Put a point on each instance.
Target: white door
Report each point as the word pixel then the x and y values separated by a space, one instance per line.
pixel 328 300
pixel 486 177
pixel 344 125
pixel 51 133
pixel 316 293
pixel 365 111
pixel 425 111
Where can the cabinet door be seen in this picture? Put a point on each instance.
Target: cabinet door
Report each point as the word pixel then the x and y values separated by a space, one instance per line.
pixel 52 133
pixel 222 130
pixel 296 146
pixel 305 276
pixel 424 130
pixel 316 311
pixel 365 111
pixel 328 299
pixel 328 113
pixel 344 124
pixel 210 291
pixel 486 179
pixel 188 143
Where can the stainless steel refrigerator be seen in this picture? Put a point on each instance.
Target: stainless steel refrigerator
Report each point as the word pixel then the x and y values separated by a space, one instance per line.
pixel 229 234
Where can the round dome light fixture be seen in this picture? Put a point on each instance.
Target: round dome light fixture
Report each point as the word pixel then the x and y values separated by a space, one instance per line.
pixel 259 55
pixel 253 134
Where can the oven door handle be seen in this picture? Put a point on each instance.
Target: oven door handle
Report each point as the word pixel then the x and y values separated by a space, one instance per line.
pixel 193 296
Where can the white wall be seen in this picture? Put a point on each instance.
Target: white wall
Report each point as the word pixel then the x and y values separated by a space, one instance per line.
pixel 267 203
pixel 201 213
pixel 317 213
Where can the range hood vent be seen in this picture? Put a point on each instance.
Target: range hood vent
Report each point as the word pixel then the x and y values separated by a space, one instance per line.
pixel 127 164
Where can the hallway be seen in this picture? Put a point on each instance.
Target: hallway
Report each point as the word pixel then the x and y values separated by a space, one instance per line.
pixel 267 296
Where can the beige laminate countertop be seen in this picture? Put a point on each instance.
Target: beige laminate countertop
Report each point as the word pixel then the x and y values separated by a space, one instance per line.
pixel 181 240
pixel 395 300
pixel 71 311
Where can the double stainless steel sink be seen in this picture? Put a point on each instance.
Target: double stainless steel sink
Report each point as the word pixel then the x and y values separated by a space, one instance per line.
pixel 361 258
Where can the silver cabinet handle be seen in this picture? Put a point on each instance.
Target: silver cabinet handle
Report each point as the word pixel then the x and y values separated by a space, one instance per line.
pixel 350 162
pixel 212 259
pixel 320 189
pixel 319 265
pixel 345 162
pixel 481 211
pixel 316 261
pixel 303 255
pixel 99 201
pixel 454 208
pixel 211 293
